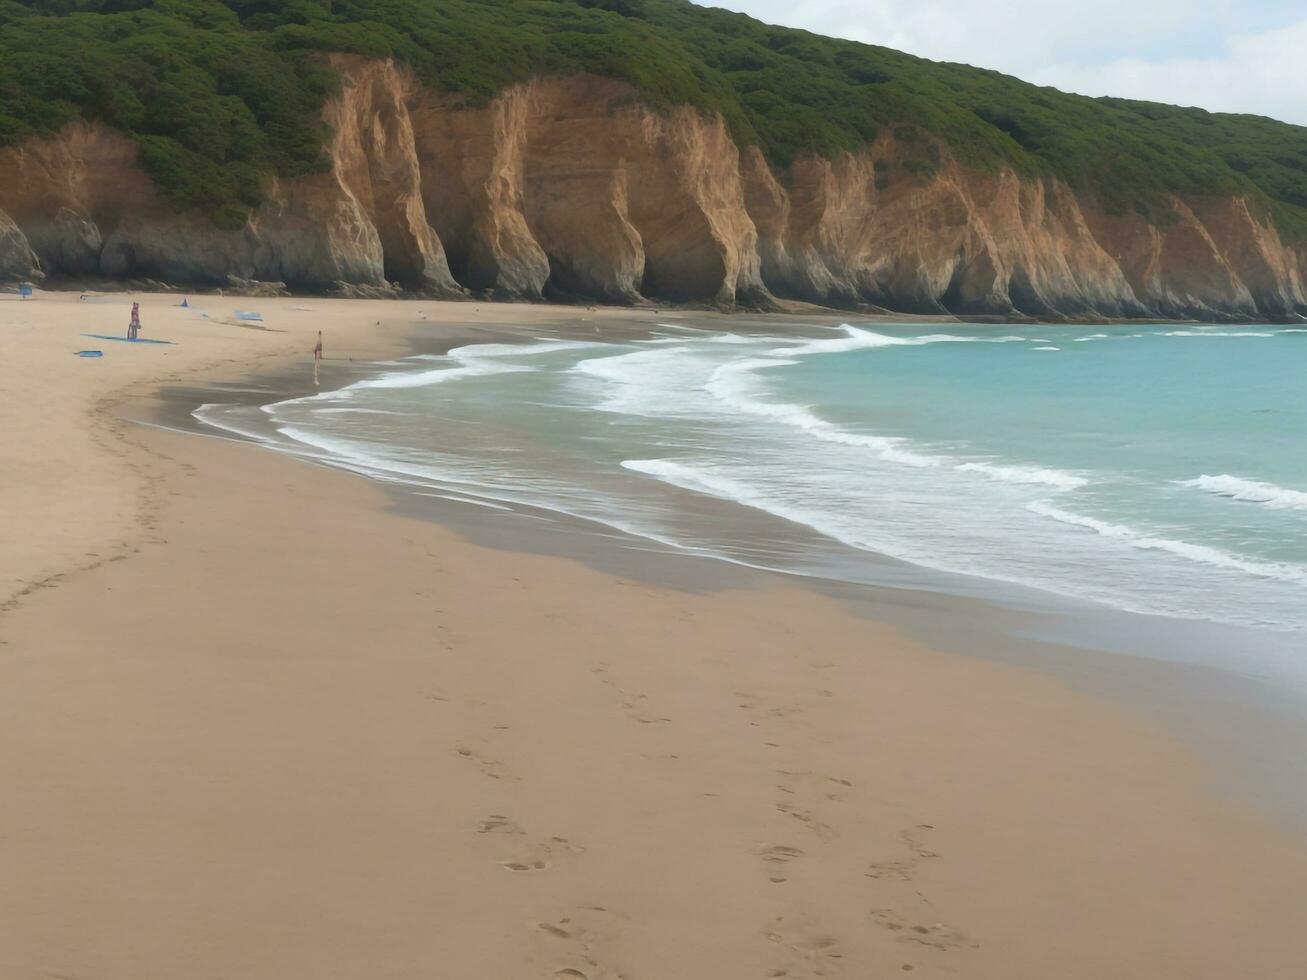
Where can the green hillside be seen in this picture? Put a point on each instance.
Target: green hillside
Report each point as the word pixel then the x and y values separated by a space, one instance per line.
pixel 221 94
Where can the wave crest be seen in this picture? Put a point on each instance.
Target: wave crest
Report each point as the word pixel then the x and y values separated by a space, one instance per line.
pixel 1037 475
pixel 1249 491
pixel 1200 553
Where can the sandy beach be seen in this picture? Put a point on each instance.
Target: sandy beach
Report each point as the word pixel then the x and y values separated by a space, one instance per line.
pixel 257 723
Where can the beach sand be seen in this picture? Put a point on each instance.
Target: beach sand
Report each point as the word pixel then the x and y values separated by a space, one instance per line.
pixel 256 723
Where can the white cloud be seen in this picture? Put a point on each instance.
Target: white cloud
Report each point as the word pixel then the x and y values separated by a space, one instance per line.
pixel 1219 54
pixel 1259 73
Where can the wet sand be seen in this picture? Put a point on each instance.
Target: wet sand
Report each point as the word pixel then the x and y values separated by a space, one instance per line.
pixel 258 722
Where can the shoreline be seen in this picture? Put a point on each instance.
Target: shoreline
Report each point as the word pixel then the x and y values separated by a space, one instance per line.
pixel 220 768
pixel 784 307
pixel 1244 716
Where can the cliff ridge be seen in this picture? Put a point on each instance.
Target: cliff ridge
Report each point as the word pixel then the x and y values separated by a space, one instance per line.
pixel 574 188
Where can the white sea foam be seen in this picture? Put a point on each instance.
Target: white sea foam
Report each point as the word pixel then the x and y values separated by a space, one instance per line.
pixel 734 385
pixel 1092 336
pixel 1046 348
pixel 626 369
pixel 651 381
pixel 698 480
pixel 1036 475
pixel 457 498
pixel 469 361
pixel 730 338
pixel 218 416
pixel 856 338
pixel 705 338
pixel 1216 333
pixel 1250 491
pixel 541 346
pixel 422 379
pixel 832 525
pixel 354 411
pixel 1202 554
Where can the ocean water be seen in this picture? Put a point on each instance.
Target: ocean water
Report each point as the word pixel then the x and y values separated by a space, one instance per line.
pixel 1156 470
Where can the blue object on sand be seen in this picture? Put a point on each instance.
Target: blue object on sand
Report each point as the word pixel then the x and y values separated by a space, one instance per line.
pixel 127 340
pixel 249 315
pixel 25 291
pixel 90 353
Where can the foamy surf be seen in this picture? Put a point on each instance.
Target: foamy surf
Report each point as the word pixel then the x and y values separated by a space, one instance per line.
pixel 1217 333
pixel 1032 475
pixel 1250 491
pixel 1201 554
pixel 856 338
pixel 949 450
pixel 734 385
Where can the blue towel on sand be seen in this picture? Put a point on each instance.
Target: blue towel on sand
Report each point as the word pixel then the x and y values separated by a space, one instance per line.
pixel 90 353
pixel 127 340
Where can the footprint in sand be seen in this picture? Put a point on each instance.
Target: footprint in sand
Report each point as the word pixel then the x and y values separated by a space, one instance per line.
pixel 814 783
pixel 806 818
pixel 809 950
pixel 489 766
pixel 542 856
pixel 916 841
pixel 905 870
pixel 777 856
pixel 576 943
pixel 936 935
pixel 534 864
pixel 496 824
pixel 890 870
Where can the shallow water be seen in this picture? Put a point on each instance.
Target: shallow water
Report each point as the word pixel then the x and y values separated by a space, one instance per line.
pixel 1157 470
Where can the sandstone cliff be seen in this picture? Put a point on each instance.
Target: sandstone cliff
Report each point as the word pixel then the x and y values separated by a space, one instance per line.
pixel 17 260
pixel 572 188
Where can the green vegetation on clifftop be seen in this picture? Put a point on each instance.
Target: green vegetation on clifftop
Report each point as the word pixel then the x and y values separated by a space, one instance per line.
pixel 219 95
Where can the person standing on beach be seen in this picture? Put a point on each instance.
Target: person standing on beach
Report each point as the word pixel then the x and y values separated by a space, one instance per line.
pixel 317 357
pixel 134 328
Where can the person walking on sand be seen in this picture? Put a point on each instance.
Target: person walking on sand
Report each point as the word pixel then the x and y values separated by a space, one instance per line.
pixel 134 328
pixel 317 357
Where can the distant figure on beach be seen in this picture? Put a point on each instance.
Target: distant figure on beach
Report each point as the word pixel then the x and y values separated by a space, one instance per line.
pixel 317 357
pixel 134 328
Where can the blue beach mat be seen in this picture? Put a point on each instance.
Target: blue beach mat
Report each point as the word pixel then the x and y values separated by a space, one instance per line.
pixel 127 340
pixel 90 353
pixel 250 315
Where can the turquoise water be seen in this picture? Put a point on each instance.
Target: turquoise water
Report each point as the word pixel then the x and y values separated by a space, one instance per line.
pixel 1158 470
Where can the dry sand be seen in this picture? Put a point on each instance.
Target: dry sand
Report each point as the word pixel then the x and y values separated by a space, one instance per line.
pixel 293 734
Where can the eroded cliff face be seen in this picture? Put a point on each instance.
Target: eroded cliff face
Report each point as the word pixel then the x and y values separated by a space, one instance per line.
pixel 87 208
pixel 17 260
pixel 571 188
pixel 567 184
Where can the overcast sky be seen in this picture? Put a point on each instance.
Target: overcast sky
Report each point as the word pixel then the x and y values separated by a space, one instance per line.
pixel 1224 55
